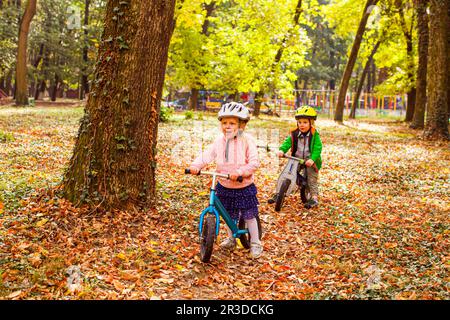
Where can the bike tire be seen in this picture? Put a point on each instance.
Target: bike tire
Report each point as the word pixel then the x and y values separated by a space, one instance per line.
pixel 282 194
pixel 207 237
pixel 245 238
pixel 303 194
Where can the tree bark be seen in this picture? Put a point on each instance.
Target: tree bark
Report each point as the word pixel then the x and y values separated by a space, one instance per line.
pixel 54 88
pixel 8 83
pixel 114 159
pixel 407 32
pixel 448 64
pixel 339 115
pixel 84 77
pixel 363 78
pixel 297 94
pixel 21 92
pixel 436 126
pixel 193 99
pixel 257 106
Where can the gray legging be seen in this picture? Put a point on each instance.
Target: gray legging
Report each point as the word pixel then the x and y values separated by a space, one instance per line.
pixel 313 182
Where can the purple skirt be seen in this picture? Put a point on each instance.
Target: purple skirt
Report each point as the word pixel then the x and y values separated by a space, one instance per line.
pixel 237 201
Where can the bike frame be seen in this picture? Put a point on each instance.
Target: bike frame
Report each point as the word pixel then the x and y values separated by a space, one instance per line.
pixel 215 207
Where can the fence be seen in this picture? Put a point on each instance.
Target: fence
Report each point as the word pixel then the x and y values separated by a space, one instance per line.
pixel 325 102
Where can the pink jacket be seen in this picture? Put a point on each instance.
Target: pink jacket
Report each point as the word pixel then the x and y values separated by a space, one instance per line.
pixel 242 158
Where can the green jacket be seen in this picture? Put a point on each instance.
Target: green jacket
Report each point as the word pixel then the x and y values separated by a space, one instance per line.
pixel 315 145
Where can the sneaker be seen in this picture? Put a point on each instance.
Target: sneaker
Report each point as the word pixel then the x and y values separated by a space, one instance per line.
pixel 255 250
pixel 273 199
pixel 311 204
pixel 228 243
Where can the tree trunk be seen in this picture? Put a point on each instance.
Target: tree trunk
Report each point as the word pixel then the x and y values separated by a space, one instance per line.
pixel 436 126
pixel 8 83
pixel 374 77
pixel 40 88
pixel 448 65
pixel 363 78
pixel 193 100
pixel 21 92
pixel 297 95
pixel 304 94
pixel 257 106
pixel 332 82
pixel 54 88
pixel 2 84
pixel 84 77
pixel 407 32
pixel 114 159
pixel 339 115
pixel 210 8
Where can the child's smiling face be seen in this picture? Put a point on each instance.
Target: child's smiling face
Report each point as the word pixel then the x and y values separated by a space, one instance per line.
pixel 304 125
pixel 229 125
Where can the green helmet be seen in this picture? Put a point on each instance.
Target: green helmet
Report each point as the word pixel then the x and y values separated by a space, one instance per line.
pixel 306 112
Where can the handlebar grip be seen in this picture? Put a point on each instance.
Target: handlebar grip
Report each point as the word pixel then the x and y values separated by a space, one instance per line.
pixel 240 178
pixel 187 171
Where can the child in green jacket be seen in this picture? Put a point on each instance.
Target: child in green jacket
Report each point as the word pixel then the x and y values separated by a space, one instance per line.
pixel 304 142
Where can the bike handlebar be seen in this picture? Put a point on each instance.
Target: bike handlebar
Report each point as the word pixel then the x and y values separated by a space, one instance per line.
pixel 301 161
pixel 226 176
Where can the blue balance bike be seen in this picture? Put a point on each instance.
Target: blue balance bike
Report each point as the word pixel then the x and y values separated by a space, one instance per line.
pixel 209 223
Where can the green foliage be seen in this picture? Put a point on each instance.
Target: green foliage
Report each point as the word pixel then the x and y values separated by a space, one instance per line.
pixel 237 51
pixel 188 115
pixel 55 47
pixel 6 137
pixel 8 37
pixel 165 113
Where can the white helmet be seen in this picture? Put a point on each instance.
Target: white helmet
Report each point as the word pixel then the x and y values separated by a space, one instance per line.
pixel 234 109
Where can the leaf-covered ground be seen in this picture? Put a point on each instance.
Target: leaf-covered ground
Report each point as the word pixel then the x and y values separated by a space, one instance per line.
pixel 381 230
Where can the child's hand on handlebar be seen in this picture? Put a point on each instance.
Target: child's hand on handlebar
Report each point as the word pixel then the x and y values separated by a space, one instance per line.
pixel 309 163
pixel 194 170
pixel 280 154
pixel 234 176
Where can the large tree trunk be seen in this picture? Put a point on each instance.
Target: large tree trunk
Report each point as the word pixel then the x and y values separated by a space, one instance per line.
pixel 8 83
pixel 438 81
pixel 84 77
pixel 114 159
pixel 407 32
pixel 54 88
pixel 448 67
pixel 297 94
pixel 21 92
pixel 43 85
pixel 339 115
pixel 363 78
pixel 257 106
pixel 193 99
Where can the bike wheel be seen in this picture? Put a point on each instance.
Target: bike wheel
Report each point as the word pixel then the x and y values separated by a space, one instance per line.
pixel 207 237
pixel 303 194
pixel 282 194
pixel 245 238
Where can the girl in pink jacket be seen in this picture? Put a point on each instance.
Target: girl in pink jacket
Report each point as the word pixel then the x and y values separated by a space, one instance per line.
pixel 235 154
